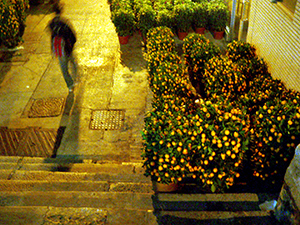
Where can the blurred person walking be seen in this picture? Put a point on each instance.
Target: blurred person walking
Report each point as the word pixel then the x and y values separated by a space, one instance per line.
pixel 63 40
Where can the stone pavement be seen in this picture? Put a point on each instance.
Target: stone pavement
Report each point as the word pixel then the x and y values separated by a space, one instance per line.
pixel 106 79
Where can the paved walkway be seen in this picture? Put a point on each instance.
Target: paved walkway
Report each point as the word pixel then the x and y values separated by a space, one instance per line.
pixel 107 80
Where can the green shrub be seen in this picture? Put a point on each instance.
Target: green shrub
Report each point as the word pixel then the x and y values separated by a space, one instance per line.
pixel 183 14
pixel 238 50
pixel 160 38
pixel 165 155
pixel 222 78
pixel 252 68
pixel 274 136
pixel 218 135
pixel 198 50
pixel 163 4
pixel 146 19
pixel 124 21
pixel 218 15
pixel 165 18
pixel 12 21
pixel 248 117
pixel 200 15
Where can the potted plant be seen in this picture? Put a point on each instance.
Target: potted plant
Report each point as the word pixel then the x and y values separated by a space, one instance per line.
pixel 165 18
pixel 163 4
pixel 197 51
pixel 218 18
pixel 146 19
pixel 13 22
pixel 183 14
pixel 219 141
pixel 200 17
pixel 274 137
pixel 124 21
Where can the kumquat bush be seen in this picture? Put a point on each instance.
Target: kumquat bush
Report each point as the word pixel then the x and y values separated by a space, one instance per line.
pixel 274 135
pixel 223 78
pixel 12 21
pixel 197 51
pixel 262 89
pixel 218 135
pixel 247 123
pixel 237 50
pixel 166 74
pixel 166 130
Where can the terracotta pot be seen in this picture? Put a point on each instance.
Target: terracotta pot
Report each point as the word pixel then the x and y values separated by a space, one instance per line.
pixel 200 30
pixel 123 39
pixel 159 187
pixel 218 35
pixel 182 35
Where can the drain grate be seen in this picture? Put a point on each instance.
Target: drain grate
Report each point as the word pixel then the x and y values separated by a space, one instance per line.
pixel 111 119
pixel 46 107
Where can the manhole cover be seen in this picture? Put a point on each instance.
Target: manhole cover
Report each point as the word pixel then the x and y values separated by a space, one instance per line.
pixel 46 107
pixel 111 119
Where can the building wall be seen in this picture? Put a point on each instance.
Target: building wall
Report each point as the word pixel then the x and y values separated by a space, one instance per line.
pixel 276 34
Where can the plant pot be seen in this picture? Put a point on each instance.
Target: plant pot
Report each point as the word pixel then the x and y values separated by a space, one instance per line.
pixel 159 187
pixel 182 35
pixel 200 30
pixel 124 39
pixel 218 35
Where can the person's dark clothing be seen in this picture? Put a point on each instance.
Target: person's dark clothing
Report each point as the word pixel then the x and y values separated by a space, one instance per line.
pixel 60 28
pixel 62 43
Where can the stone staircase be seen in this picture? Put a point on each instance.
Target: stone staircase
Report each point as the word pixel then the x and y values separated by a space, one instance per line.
pixel 211 209
pixel 55 191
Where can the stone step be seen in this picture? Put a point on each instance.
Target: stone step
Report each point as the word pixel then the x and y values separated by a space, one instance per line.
pixel 15 159
pixel 43 215
pixel 49 164
pixel 73 176
pixel 206 202
pixel 215 217
pixel 80 167
pixel 106 200
pixel 237 208
pixel 88 186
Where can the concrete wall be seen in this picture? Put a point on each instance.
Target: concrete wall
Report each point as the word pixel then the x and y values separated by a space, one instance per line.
pixel 276 34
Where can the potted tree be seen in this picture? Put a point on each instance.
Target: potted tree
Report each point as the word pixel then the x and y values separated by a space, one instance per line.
pixel 183 14
pixel 165 18
pixel 146 19
pixel 13 22
pixel 200 17
pixel 124 21
pixel 218 18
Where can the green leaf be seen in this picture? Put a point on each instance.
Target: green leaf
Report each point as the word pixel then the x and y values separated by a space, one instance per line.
pixel 210 150
pixel 213 188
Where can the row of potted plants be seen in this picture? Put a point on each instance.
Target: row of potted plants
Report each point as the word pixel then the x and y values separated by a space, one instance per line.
pixel 179 15
pixel 243 119
pixel 12 21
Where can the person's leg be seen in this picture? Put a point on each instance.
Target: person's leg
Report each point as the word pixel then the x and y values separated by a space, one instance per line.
pixel 64 68
pixel 73 66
